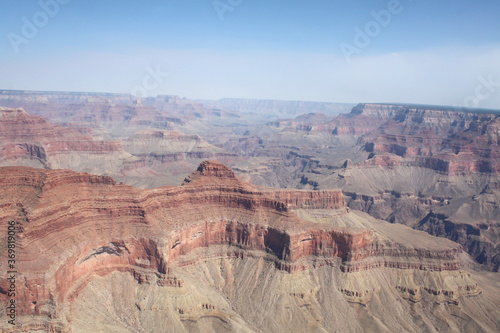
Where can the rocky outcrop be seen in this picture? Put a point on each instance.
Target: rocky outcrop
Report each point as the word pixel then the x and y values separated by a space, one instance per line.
pixel 447 141
pixel 363 119
pixel 443 139
pixel 31 140
pixel 163 112
pixel 425 159
pixel 73 228
pixel 482 249
pixel 303 199
pixel 160 154
pixel 208 171
pixel 395 207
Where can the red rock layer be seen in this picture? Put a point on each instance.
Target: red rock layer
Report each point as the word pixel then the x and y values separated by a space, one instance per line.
pixel 163 111
pixel 72 226
pixel 444 140
pixel 439 138
pixel 22 134
pixel 296 199
pixel 363 119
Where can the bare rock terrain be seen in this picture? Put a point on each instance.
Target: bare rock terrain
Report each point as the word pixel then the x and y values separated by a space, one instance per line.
pixel 431 168
pixel 402 163
pixel 226 252
pixel 146 158
pixel 217 254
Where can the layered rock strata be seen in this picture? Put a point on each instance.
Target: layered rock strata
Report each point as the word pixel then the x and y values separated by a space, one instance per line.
pixel 423 162
pixel 448 141
pixel 147 158
pixel 33 141
pixel 74 231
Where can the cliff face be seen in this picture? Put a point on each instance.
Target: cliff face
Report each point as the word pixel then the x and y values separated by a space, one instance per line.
pixel 419 160
pixel 303 199
pixel 160 112
pixel 146 156
pixel 446 141
pixel 363 119
pixel 442 139
pixel 31 140
pixel 479 239
pixel 76 231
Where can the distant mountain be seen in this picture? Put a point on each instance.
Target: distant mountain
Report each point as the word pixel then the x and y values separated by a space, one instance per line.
pixel 276 108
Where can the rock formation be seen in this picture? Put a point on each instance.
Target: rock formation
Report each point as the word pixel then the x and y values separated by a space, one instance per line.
pixel 427 162
pixel 163 154
pixel 428 167
pixel 147 158
pixel 403 163
pixel 275 108
pixel 33 141
pixel 217 254
pixel 454 142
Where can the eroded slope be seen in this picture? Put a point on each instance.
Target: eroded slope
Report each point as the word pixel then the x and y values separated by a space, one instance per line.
pixel 217 254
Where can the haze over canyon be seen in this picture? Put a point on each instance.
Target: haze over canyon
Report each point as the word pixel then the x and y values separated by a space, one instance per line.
pixel 166 214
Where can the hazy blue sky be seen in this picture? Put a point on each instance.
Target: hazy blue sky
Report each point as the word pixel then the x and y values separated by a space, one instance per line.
pixel 420 51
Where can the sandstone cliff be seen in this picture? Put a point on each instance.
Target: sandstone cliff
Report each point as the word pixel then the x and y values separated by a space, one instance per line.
pixel 33 141
pixel 146 158
pixel 443 140
pixel 217 254
pixel 409 164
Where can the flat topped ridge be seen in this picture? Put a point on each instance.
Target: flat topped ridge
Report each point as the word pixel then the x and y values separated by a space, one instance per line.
pixel 18 116
pixel 6 110
pixel 166 134
pixel 18 125
pixel 369 108
pixel 48 179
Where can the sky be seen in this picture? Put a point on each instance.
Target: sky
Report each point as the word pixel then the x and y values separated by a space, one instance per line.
pixel 442 52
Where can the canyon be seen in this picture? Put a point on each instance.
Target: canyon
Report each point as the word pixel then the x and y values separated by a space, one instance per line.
pixel 30 140
pixel 431 168
pixel 298 216
pixel 90 248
